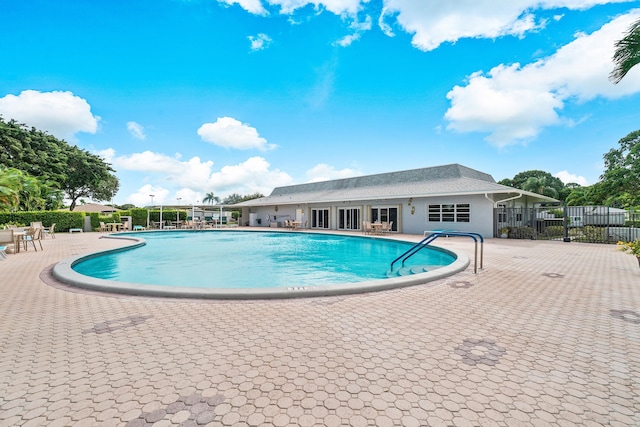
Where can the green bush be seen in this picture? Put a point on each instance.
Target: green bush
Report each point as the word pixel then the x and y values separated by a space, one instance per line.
pixel 167 215
pixel 520 232
pixel 554 231
pixel 593 234
pixel 557 213
pixel 62 219
pixel 96 218
pixel 138 216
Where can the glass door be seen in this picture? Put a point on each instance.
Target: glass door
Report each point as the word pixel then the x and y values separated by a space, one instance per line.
pixel 385 214
pixel 320 218
pixel 348 219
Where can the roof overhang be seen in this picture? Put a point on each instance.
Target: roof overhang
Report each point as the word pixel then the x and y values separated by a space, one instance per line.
pixel 300 199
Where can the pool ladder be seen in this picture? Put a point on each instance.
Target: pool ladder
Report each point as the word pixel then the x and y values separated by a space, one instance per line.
pixel 433 236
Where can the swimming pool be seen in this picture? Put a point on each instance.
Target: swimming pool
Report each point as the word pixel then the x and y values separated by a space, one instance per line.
pixel 239 264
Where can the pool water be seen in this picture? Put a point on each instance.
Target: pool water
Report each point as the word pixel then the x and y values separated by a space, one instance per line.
pixel 237 259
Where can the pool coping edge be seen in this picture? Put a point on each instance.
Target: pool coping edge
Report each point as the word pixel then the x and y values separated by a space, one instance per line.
pixel 63 271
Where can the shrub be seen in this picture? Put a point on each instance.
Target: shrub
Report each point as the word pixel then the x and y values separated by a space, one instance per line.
pixel 64 220
pixel 96 218
pixel 554 231
pixel 592 234
pixel 632 248
pixel 521 233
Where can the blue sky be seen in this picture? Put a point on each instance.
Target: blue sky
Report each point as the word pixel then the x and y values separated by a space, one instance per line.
pixel 240 96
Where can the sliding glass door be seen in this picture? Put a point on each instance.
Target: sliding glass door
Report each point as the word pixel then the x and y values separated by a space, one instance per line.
pixel 385 214
pixel 320 218
pixel 348 219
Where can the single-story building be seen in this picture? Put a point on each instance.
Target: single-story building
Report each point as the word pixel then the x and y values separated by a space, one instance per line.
pixel 449 197
pixel 95 207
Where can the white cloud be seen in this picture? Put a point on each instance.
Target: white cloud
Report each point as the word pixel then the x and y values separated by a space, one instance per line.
pixel 142 197
pixel 325 172
pixel 513 103
pixel 338 7
pixel 194 178
pixel 435 22
pixel 259 42
pixel 191 173
pixel 248 177
pixel 231 133
pixel 348 39
pixel 251 6
pixel 136 130
pixel 567 177
pixel 358 28
pixel 62 114
pixel 107 154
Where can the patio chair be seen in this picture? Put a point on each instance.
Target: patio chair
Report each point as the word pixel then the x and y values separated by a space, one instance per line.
pixel 7 238
pixel 36 224
pixel 50 231
pixel 366 227
pixel 103 227
pixel 32 235
pixel 3 254
pixel 387 227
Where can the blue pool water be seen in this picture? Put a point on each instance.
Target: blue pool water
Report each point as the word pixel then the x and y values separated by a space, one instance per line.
pixel 236 259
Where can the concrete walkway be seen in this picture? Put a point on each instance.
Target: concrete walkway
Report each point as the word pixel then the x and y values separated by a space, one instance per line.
pixel 547 334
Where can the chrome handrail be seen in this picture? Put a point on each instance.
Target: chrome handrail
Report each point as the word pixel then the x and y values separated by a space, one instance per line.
pixel 434 235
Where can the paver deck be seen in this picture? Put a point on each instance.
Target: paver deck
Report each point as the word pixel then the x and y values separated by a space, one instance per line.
pixel 547 334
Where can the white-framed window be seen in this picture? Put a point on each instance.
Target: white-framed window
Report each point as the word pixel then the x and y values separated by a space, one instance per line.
pixel 449 212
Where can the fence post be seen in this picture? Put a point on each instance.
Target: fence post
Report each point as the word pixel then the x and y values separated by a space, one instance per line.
pixel 565 223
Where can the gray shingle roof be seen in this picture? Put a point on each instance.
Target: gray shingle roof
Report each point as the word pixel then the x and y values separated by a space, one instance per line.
pixel 451 179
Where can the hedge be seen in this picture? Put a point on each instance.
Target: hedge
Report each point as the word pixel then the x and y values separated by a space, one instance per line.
pixel 65 220
pixel 62 219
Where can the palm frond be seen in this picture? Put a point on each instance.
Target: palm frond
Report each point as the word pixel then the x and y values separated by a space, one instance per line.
pixel 627 53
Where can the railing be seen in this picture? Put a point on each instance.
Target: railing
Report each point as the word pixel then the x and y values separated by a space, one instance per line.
pixel 434 235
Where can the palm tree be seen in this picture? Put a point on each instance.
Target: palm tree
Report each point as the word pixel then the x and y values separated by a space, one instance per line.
pixel 10 187
pixel 627 53
pixel 211 198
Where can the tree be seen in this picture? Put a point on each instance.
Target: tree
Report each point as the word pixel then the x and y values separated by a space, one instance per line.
pixel 621 177
pixel 211 198
pixel 10 186
pixel 586 196
pixel 234 198
pixel 540 186
pixel 88 176
pixel 57 166
pixel 30 194
pixel 34 152
pixel 537 181
pixel 627 53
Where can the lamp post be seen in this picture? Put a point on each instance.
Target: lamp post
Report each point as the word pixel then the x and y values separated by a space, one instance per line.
pixel 148 211
pixel 178 212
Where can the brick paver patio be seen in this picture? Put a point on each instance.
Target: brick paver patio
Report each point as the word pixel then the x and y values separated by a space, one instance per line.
pixel 547 334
